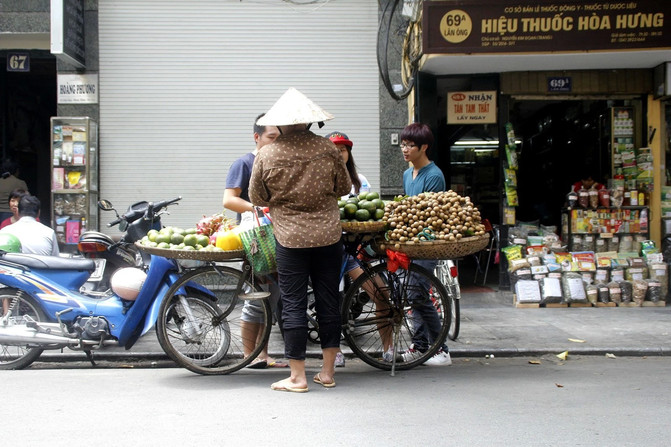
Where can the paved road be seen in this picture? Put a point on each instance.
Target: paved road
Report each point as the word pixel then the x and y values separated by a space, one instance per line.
pixel 521 401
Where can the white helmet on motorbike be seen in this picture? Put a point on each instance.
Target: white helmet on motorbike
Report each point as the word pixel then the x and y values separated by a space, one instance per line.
pixel 127 282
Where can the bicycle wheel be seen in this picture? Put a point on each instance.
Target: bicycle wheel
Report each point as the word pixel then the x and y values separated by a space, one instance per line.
pixel 200 323
pixel 313 324
pixel 399 46
pixel 451 283
pixel 23 309
pixel 387 315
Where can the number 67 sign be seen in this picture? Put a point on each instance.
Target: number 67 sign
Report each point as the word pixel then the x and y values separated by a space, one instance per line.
pixel 18 62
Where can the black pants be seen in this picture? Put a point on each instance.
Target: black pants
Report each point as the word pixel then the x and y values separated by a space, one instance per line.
pixel 322 266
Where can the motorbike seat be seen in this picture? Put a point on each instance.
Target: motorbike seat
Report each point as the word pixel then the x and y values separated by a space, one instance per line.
pixel 49 262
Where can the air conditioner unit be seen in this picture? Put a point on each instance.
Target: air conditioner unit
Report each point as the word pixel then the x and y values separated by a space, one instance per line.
pixel 662 81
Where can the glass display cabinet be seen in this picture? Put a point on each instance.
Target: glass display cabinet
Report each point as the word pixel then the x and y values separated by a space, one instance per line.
pixel 74 177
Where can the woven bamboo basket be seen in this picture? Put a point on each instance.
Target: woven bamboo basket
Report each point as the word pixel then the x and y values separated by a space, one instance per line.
pixel 435 249
pixel 364 227
pixel 196 255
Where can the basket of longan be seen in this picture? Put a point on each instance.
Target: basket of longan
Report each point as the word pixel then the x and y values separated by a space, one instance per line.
pixel 433 225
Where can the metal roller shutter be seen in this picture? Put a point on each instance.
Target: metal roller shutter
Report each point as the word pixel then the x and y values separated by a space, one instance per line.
pixel 181 83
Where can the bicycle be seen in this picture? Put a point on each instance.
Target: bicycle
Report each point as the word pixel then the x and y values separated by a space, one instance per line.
pixel 378 305
pixel 199 349
pixel 381 304
pixel 446 271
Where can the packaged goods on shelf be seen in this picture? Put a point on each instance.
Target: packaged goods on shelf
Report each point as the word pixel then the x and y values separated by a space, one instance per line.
pixel 654 292
pixel 589 278
pixel 640 288
pixel 573 288
pixel 551 290
pixel 666 193
pixel 592 292
pixel 617 274
pixel 658 272
pixel 601 275
pixel 614 292
pixel 603 294
pixel 527 291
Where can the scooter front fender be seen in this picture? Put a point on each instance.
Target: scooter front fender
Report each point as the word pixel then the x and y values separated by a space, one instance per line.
pixel 152 315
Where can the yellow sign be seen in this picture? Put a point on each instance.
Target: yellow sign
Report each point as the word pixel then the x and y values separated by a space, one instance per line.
pixel 471 107
pixel 456 26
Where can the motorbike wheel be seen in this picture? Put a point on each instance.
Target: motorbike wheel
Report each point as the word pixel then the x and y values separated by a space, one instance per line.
pixel 200 322
pixel 23 308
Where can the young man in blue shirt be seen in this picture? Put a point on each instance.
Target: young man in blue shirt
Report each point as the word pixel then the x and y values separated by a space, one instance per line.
pixel 422 176
pixel 236 198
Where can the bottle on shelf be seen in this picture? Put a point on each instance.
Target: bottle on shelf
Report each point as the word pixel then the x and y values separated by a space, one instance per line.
pixel 633 197
pixel 643 221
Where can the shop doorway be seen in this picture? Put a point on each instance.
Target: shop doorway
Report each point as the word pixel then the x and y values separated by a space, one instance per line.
pixel 27 101
pixel 561 142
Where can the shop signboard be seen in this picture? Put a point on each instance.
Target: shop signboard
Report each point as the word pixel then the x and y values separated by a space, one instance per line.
pixel 471 107
pixel 504 26
pixel 77 89
pixel 67 31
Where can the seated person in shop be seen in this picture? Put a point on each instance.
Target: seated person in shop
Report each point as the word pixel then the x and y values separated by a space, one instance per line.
pixel 587 181
pixel 35 237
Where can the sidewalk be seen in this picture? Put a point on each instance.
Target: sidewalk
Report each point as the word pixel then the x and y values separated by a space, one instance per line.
pixel 491 325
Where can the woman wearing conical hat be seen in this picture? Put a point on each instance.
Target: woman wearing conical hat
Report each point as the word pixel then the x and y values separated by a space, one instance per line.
pixel 300 176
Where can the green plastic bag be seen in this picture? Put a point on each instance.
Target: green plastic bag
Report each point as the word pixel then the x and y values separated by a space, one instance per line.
pixel 259 245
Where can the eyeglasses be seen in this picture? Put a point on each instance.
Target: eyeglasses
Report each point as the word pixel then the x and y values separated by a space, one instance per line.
pixel 408 145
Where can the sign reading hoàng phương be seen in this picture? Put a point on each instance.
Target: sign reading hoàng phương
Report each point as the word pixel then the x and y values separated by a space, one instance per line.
pixel 77 89
pixel 471 107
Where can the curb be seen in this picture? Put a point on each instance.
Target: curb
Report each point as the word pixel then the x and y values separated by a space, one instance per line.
pixel 456 353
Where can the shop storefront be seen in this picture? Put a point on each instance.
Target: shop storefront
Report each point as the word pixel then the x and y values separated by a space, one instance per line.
pixel 529 99
pixel 27 97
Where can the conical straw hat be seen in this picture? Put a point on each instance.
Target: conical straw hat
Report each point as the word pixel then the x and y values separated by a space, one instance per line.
pixel 293 107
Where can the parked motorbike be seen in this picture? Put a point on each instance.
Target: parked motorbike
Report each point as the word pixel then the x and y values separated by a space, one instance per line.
pixel 110 255
pixel 46 309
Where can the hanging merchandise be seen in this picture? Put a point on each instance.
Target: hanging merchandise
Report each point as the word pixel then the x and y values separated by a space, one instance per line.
pixel 622 142
pixel 510 177
pixel 644 163
pixel 511 196
pixel 509 215
pixel 511 157
pixel 510 135
pixel 509 172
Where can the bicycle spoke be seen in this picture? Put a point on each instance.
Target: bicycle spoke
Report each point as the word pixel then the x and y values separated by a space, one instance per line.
pixel 387 320
pixel 208 335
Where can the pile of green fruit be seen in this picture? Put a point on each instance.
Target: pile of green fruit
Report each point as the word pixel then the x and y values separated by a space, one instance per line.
pixel 173 238
pixel 366 207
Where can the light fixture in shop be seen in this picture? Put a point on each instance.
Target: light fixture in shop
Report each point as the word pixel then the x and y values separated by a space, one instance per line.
pixel 480 143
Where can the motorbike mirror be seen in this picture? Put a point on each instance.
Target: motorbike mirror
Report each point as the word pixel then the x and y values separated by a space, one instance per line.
pixel 123 225
pixel 105 205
